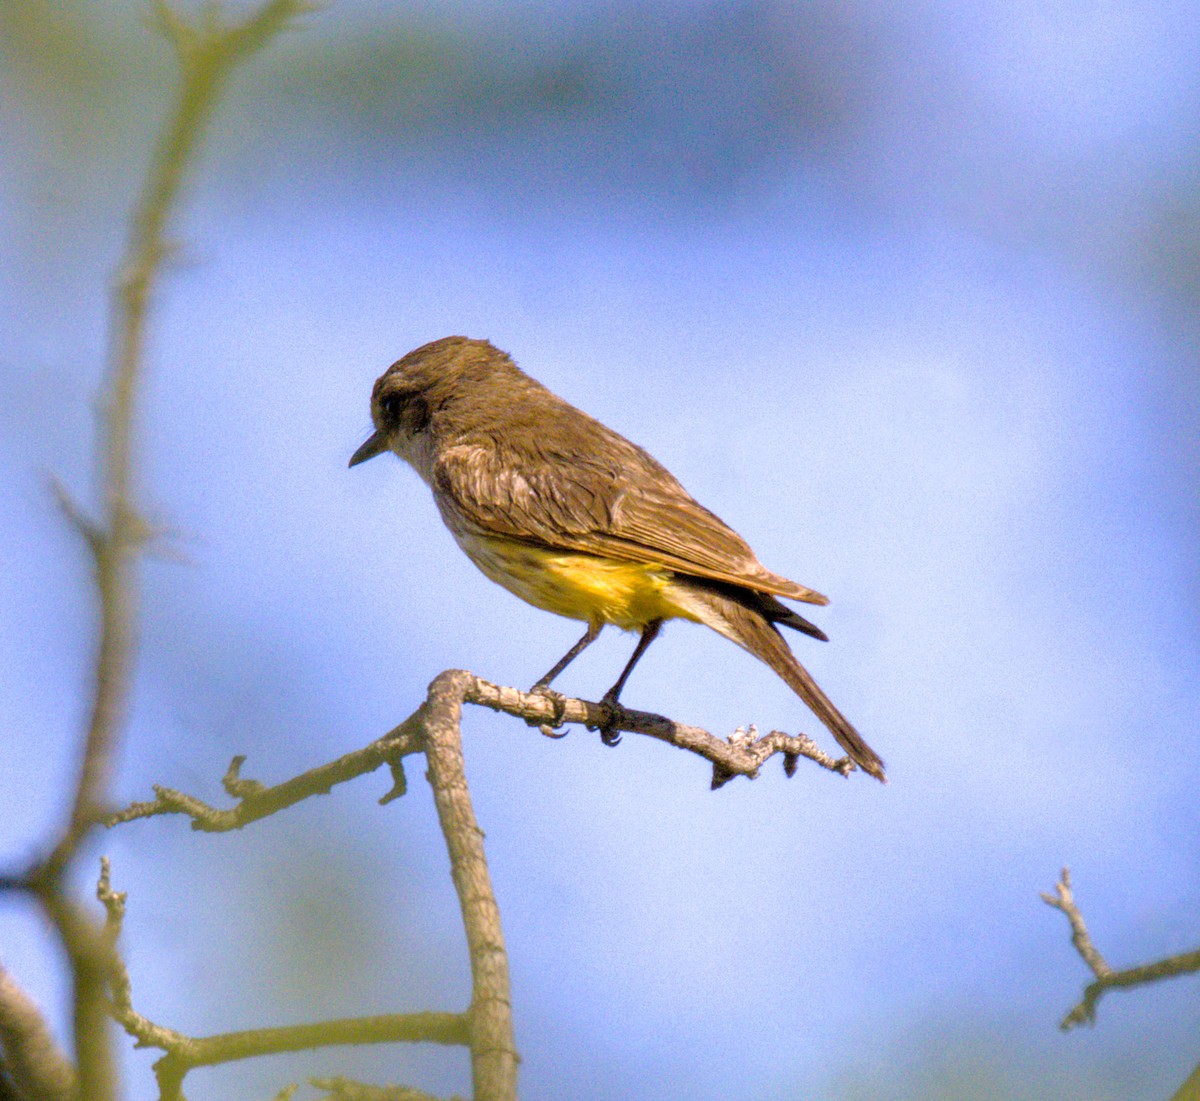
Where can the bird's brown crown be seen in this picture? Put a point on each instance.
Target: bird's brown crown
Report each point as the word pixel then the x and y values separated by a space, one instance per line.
pixel 408 393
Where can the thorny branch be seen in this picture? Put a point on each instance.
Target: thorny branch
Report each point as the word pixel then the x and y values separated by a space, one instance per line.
pixel 1106 978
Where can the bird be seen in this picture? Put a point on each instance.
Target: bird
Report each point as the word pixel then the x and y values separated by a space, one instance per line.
pixel 575 519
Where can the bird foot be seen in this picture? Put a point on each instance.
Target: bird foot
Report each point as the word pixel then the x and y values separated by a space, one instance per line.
pixel 552 729
pixel 609 734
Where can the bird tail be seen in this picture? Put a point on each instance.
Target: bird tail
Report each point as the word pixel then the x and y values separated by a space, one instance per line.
pixel 753 631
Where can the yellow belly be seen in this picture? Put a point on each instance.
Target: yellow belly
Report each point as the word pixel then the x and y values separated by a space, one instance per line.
pixel 578 586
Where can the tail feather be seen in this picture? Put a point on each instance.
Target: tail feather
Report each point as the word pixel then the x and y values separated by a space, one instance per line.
pixel 765 604
pixel 777 612
pixel 753 631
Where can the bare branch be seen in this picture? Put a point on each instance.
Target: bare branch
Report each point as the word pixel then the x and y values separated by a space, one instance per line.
pixel 38 1066
pixel 435 729
pixel 257 801
pixel 185 1053
pixel 1106 978
pixel 743 754
pixel 494 1056
pixel 1063 899
pixel 115 538
pixel 206 59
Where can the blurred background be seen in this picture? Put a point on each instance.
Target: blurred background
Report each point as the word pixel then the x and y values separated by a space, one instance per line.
pixel 908 294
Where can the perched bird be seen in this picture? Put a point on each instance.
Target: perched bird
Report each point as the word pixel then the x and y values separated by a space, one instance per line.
pixel 575 519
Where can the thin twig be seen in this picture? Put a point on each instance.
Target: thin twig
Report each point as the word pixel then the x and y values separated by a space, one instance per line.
pixel 256 801
pixel 1106 978
pixel 1063 899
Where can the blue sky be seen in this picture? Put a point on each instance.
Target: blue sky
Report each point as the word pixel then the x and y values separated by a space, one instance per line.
pixel 919 369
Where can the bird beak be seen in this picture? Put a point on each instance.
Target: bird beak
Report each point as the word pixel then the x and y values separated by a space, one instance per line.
pixel 373 446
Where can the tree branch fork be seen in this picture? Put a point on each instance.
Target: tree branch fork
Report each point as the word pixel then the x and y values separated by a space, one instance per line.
pixel 434 729
pixel 1106 978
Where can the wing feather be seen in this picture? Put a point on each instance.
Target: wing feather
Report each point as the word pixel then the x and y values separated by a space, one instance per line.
pixel 614 500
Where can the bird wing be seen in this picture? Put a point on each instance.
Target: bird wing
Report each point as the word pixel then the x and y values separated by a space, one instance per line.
pixel 616 502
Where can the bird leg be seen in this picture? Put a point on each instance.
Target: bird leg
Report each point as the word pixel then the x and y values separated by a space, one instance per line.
pixel 589 636
pixel 649 633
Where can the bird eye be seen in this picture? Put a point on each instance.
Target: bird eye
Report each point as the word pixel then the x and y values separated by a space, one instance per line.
pixel 392 405
pixel 404 409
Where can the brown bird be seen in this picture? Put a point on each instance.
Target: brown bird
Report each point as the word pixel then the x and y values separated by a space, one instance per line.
pixel 575 519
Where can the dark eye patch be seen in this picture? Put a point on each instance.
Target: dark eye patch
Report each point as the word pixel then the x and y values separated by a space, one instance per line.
pixel 393 404
pixel 408 406
pixel 419 415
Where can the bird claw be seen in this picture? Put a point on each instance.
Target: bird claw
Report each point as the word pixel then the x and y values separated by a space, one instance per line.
pixel 558 702
pixel 609 735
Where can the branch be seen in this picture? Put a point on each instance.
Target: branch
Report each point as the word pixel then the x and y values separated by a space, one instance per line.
pixel 210 54
pixel 435 729
pixel 185 1053
pixel 256 801
pixel 1063 899
pixel 494 1056
pixel 37 1065
pixel 214 52
pixel 1106 978
pixel 742 754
